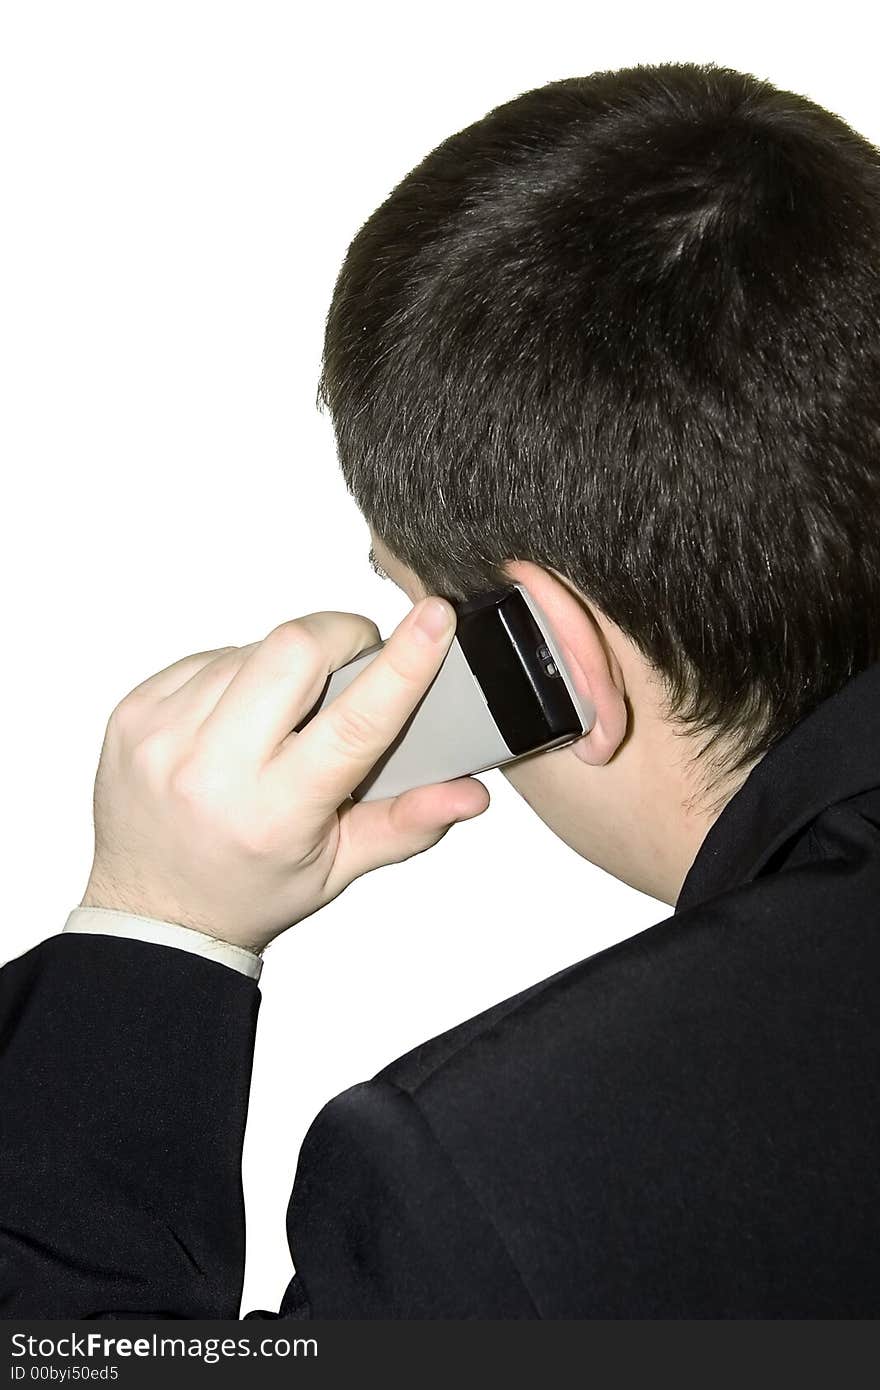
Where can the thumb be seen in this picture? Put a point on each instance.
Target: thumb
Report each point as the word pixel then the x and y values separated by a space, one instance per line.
pixel 374 833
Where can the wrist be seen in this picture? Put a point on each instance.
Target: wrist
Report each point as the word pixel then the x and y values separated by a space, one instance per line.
pixel 113 922
pixel 104 898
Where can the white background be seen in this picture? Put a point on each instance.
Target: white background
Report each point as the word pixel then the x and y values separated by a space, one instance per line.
pixel 180 182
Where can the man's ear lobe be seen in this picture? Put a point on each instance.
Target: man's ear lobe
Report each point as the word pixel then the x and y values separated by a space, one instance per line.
pixel 597 684
pixel 594 668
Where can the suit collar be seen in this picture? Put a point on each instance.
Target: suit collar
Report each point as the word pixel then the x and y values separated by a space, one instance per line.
pixel 829 756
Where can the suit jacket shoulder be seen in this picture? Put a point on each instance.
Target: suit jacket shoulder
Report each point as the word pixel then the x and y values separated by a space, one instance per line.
pixel 683 1125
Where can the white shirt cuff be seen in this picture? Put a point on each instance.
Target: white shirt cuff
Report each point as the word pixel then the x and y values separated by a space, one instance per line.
pixel 105 921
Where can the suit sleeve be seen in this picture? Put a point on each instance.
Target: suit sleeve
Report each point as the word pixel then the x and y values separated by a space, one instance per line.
pixel 124 1081
pixel 382 1225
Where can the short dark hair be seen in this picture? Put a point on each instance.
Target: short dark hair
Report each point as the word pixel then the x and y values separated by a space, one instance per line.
pixel 628 326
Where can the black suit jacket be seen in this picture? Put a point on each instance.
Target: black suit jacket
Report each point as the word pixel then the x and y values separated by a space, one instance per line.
pixel 683 1125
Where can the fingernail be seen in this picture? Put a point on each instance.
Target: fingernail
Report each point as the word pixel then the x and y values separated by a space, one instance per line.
pixel 435 619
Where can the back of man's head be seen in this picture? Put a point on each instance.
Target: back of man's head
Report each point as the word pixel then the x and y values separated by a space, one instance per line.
pixel 627 326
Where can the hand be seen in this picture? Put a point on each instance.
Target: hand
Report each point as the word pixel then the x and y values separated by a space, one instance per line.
pixel 211 813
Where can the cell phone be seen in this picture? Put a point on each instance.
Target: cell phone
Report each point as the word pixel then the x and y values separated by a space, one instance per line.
pixel 502 692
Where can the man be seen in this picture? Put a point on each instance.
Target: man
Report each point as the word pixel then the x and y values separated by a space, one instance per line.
pixel 618 341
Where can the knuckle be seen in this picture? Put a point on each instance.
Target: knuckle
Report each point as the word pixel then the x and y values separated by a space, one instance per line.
pixel 152 753
pixel 189 782
pixel 226 662
pixel 226 656
pixel 355 731
pixel 206 795
pixel 295 641
pixel 405 666
pixel 372 635
pixel 125 716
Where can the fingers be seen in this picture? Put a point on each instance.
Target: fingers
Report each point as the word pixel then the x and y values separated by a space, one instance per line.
pixel 193 700
pixel 166 681
pixel 280 680
pixel 374 833
pixel 337 748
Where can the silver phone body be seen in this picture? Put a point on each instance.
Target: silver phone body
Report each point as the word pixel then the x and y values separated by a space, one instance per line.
pixel 453 731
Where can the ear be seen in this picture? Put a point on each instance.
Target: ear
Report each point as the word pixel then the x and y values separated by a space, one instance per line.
pixel 594 667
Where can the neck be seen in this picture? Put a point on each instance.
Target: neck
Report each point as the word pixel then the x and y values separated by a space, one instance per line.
pixel 678 794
